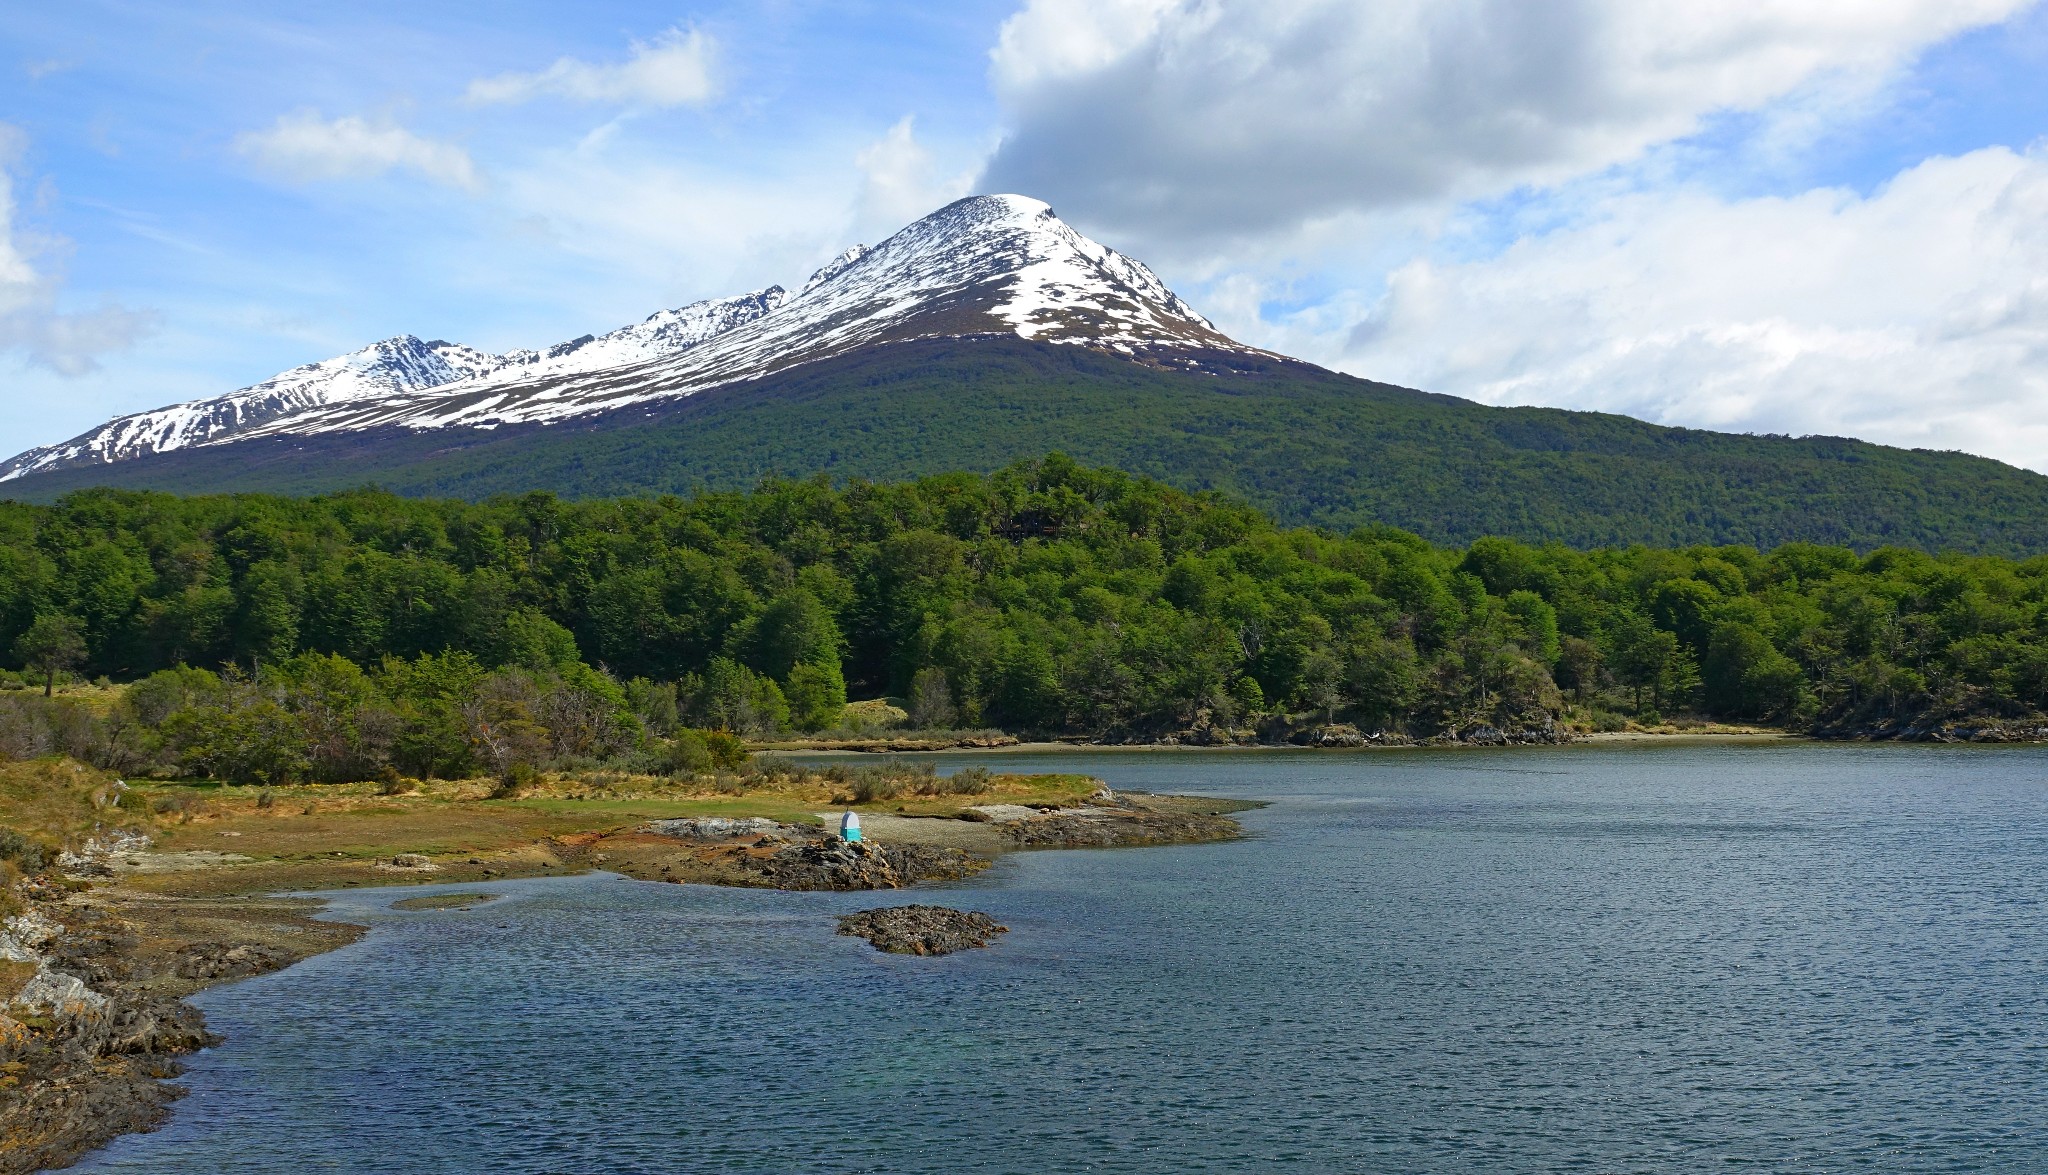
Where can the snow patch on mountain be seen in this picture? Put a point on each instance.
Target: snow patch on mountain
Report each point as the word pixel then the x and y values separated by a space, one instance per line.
pixel 834 268
pixel 985 265
pixel 981 266
pixel 662 333
pixel 397 365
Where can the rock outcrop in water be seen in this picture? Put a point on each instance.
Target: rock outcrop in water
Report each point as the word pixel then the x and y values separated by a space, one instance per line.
pixel 831 863
pixel 922 930
pixel 757 852
pixel 1107 821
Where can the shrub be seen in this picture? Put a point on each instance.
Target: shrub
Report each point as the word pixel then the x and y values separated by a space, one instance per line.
pixel 728 751
pixel 968 781
pixel 26 854
pixel 517 778
pixel 183 805
pixel 688 753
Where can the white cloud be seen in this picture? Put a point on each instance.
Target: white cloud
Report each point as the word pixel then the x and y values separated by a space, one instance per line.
pixel 675 69
pixel 69 343
pixel 1915 316
pixel 303 146
pixel 900 182
pixel 1225 116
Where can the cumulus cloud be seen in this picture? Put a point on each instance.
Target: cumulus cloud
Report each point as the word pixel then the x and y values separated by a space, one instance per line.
pixel 1222 116
pixel 1916 316
pixel 900 181
pixel 674 69
pixel 303 147
pixel 69 343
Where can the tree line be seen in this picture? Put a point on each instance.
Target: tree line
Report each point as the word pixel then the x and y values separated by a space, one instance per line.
pixel 1046 598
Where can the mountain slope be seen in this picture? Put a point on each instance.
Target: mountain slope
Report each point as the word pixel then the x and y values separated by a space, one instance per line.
pixel 1307 445
pixel 982 266
pixel 392 367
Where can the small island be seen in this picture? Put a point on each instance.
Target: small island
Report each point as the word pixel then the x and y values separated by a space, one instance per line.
pixel 922 930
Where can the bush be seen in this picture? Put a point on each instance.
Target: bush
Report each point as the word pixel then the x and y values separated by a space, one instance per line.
pixel 728 751
pixel 516 779
pixel 26 854
pixel 875 783
pixel 183 805
pixel 969 781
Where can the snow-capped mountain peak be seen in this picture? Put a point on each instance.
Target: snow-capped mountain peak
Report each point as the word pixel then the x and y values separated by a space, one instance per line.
pixel 982 266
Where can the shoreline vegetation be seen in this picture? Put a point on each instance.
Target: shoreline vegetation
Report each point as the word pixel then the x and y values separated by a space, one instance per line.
pixel 122 899
pixel 366 636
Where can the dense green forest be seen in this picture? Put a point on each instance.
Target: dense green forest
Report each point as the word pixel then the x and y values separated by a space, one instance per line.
pixel 1307 446
pixel 366 632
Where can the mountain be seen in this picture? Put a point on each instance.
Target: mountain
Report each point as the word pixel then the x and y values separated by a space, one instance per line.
pixel 393 367
pixel 982 266
pixel 990 331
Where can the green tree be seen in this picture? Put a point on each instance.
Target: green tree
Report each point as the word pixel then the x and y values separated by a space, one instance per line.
pixel 931 700
pixel 1383 679
pixel 53 644
pixel 1746 676
pixel 1640 654
pixel 795 629
pixel 1537 622
pixel 817 695
pixel 1578 666
pixel 533 641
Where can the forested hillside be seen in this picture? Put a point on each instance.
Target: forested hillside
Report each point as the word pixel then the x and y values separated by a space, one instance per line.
pixel 1307 446
pixel 1049 597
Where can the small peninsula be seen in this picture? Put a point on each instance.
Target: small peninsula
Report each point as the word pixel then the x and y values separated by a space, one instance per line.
pixel 124 898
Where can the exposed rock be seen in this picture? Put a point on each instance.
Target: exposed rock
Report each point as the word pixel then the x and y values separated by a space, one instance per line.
pixel 91 1034
pixel 829 862
pixel 1924 729
pixel 417 862
pixel 1534 730
pixel 719 827
pixel 922 930
pixel 1118 821
pixel 220 960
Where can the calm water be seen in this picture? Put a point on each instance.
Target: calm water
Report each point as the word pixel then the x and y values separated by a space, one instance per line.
pixel 1604 959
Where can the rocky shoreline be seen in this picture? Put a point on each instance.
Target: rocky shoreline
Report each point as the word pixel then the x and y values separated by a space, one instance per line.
pixel 100 969
pixel 92 1037
pixel 1941 730
pixel 902 850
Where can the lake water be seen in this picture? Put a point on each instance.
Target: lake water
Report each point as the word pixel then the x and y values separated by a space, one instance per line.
pixel 1602 959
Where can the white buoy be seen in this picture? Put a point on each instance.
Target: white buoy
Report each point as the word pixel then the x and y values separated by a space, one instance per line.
pixel 849 826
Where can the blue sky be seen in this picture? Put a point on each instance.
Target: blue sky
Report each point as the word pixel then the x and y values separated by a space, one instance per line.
pixel 1781 219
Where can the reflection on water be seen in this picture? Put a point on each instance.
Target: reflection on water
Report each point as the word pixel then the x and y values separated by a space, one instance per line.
pixel 1607 959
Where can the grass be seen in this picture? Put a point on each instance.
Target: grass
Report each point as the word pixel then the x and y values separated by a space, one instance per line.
pixel 52 801
pixel 321 836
